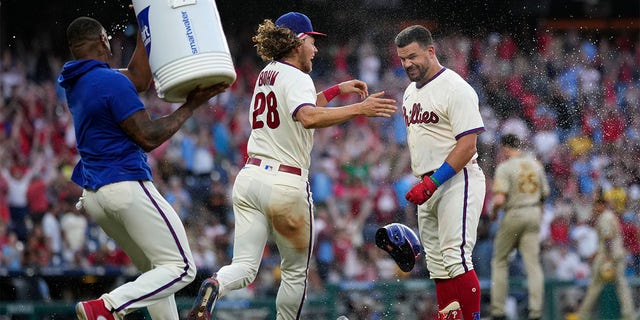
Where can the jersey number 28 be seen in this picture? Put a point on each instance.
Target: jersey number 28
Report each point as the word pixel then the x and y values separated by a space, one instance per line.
pixel 268 105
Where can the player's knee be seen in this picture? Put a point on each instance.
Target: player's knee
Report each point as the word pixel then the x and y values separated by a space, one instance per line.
pixel 250 275
pixel 247 270
pixel 499 263
pixel 294 275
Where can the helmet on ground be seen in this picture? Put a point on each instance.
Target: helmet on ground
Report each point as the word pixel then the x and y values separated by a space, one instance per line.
pixel 401 243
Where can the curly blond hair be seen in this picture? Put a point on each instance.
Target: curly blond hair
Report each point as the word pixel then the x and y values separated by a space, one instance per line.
pixel 273 42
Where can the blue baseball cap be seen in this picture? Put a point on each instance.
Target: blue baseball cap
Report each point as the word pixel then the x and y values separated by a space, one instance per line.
pixel 298 23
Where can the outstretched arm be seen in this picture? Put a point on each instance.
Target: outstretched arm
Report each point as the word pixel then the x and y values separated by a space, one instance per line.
pixel 149 134
pixel 319 117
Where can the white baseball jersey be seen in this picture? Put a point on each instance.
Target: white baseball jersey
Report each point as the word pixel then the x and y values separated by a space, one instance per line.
pixel 269 201
pixel 281 90
pixel 436 115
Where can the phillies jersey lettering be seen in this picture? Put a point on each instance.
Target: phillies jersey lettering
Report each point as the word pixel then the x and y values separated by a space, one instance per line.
pixel 417 116
pixel 441 111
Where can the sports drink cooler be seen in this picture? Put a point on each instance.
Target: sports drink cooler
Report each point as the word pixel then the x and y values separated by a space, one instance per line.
pixel 186 45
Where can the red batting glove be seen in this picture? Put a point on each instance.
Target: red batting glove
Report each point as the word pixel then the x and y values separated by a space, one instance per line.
pixel 422 191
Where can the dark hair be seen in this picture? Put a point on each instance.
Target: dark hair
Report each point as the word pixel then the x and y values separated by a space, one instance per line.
pixel 510 140
pixel 83 29
pixel 415 33
pixel 273 42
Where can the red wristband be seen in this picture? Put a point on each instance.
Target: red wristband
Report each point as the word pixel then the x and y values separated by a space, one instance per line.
pixel 331 92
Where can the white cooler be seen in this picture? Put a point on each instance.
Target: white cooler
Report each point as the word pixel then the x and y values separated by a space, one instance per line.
pixel 185 44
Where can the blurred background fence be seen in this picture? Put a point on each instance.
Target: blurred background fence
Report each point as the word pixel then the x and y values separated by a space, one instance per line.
pixel 404 299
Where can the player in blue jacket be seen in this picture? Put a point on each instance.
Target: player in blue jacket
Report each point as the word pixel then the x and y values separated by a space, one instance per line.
pixel 113 133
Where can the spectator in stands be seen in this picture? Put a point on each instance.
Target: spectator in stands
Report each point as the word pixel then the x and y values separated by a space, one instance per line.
pixel 584 238
pixel 323 241
pixel 4 233
pixel 202 166
pixel 204 257
pixel 36 196
pixel 219 202
pixel 561 223
pixel 616 194
pixel 4 206
pixel 73 224
pixel 369 64
pixel 35 256
pixel 53 234
pixel 322 180
pixel 386 208
pixel 12 253
pixel 38 252
pixel 110 256
pixel 631 241
pixel 563 263
pixel 178 197
pixel 18 177
pixel 343 249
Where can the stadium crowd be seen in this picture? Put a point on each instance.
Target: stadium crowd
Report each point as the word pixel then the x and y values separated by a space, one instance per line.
pixel 572 96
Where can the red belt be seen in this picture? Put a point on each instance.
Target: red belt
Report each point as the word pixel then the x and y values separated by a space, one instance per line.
pixel 281 168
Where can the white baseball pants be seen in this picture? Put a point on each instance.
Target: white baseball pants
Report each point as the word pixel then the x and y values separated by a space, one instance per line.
pixel 146 227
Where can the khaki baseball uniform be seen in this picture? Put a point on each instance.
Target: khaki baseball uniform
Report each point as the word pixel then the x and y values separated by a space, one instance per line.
pixel 608 228
pixel 523 181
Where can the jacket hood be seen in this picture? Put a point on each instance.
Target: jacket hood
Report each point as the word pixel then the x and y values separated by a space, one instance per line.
pixel 73 70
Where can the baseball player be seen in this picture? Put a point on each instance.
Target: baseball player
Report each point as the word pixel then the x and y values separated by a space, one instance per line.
pixel 520 186
pixel 608 264
pixel 113 131
pixel 271 195
pixel 443 120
